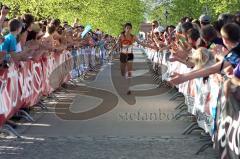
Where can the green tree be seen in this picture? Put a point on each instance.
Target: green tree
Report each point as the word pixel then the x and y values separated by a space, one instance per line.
pixel 193 8
pixel 107 15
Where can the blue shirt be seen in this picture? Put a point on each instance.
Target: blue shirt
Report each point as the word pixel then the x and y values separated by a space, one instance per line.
pixel 101 44
pixel 9 44
pixel 233 56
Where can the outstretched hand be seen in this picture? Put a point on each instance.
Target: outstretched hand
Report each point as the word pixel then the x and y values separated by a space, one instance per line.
pixel 177 79
pixel 173 58
pixel 154 47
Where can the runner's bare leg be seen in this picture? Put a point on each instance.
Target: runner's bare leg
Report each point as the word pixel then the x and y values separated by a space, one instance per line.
pixel 123 68
pixel 129 74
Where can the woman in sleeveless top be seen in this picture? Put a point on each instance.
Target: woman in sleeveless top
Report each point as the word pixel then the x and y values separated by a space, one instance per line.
pixel 126 41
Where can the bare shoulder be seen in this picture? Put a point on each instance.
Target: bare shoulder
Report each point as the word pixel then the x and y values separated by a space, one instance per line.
pixel 120 36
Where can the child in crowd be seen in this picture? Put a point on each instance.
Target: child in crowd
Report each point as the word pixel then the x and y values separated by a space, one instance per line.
pixel 231 36
pixel 201 58
pixel 9 46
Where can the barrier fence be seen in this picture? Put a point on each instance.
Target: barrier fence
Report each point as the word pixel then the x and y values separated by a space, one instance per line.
pixel 205 100
pixel 23 84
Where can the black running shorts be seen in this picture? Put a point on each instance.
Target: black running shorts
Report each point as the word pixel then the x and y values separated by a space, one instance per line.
pixel 124 58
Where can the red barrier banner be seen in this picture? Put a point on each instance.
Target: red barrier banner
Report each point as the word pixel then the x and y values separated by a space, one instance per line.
pixel 24 83
pixel 228 128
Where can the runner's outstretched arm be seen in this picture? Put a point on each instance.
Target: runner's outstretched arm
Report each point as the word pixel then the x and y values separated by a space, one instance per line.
pixel 145 45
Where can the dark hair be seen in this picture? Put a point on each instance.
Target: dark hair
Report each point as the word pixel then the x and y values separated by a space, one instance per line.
pixel 44 28
pixel 208 33
pixel 205 23
pixel 155 22
pixel 127 24
pixel 237 18
pixel 49 20
pixel 44 22
pixel 6 20
pixel 51 29
pixel 106 36
pixel 14 25
pixel 27 20
pixel 183 19
pixel 82 27
pixel 171 26
pixel 60 30
pixel 201 44
pixel 226 18
pixel 189 18
pixel 196 21
pixel 218 25
pixel 231 31
pixel 193 34
pixel 32 35
pixel 186 26
pixel 55 22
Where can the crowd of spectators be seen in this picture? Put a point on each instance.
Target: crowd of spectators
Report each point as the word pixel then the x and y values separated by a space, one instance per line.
pixel 26 38
pixel 206 46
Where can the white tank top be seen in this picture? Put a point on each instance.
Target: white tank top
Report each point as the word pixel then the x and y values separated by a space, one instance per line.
pixel 18 48
pixel 127 49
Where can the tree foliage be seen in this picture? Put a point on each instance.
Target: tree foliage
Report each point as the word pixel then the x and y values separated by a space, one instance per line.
pixel 108 15
pixel 193 8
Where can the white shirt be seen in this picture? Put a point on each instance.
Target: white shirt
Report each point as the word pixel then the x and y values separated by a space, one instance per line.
pixel 18 48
